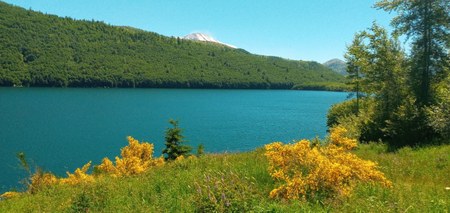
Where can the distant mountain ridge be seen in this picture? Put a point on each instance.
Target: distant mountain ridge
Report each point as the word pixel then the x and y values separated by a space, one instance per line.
pixel 50 51
pixel 205 37
pixel 337 65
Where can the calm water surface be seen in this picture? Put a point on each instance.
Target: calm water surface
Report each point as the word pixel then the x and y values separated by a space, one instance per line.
pixel 62 129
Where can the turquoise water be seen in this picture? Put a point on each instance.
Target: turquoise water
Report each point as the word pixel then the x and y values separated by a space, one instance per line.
pixel 60 129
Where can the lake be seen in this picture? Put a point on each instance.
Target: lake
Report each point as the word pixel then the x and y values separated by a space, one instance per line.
pixel 60 129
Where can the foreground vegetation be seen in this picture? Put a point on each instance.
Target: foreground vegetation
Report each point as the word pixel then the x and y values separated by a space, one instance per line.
pixel 419 177
pixel 401 98
pixel 46 50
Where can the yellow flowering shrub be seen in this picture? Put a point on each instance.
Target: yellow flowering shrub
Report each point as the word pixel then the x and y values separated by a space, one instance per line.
pixel 79 176
pixel 136 158
pixel 41 179
pixel 338 138
pixel 307 171
pixel 9 195
pixel 191 157
pixel 180 158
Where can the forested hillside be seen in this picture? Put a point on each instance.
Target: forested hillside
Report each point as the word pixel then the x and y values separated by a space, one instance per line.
pixel 45 50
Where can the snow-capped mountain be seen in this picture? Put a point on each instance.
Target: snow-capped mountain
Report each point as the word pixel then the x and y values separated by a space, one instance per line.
pixel 204 37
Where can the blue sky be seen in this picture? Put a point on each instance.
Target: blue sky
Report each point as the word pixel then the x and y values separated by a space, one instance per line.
pixel 316 30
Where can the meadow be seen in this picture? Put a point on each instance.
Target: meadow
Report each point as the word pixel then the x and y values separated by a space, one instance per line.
pixel 241 182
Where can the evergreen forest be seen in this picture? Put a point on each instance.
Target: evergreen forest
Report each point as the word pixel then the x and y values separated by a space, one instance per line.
pixel 40 50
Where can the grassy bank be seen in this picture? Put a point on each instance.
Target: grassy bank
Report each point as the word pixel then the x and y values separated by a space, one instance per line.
pixel 420 177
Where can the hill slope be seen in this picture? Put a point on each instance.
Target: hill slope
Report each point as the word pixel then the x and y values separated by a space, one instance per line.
pixel 46 50
pixel 337 65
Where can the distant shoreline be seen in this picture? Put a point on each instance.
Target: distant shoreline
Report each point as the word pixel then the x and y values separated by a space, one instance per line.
pixel 340 88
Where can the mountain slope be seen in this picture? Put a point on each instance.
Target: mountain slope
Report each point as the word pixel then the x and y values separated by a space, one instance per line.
pixel 337 65
pixel 46 50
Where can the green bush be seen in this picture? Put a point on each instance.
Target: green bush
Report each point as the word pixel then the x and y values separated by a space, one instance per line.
pixel 359 119
pixel 406 125
pixel 439 118
pixel 81 203
pixel 339 110
pixel 438 115
pixel 200 150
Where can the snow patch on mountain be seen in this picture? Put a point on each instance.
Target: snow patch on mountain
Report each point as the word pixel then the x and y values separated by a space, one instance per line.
pixel 205 38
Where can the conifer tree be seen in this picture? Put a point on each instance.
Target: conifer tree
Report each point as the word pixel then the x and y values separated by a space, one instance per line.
pixel 174 142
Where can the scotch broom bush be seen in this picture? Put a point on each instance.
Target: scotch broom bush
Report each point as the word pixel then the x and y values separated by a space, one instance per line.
pixel 41 179
pixel 79 176
pixel 136 158
pixel 9 195
pixel 306 172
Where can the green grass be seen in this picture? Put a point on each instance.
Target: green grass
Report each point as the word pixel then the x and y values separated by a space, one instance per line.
pixel 419 177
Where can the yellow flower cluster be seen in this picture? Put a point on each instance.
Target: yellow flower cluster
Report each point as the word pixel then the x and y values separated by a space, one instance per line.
pixel 41 179
pixel 79 176
pixel 136 158
pixel 9 195
pixel 337 138
pixel 179 158
pixel 307 171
